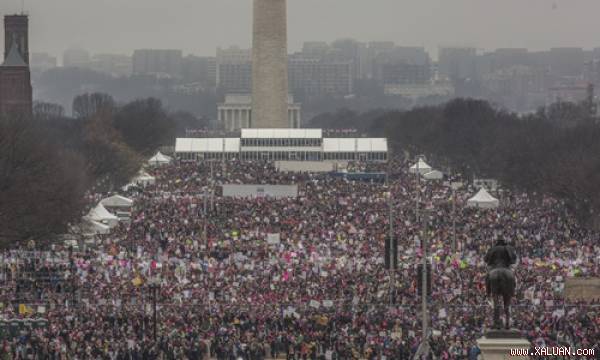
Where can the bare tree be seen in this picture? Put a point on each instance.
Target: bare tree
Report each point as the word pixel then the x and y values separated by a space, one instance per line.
pixel 87 105
pixel 41 184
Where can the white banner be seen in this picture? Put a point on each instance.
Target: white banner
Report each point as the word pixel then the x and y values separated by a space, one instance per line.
pixel 273 239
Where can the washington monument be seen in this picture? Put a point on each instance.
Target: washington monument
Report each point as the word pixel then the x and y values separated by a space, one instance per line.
pixel 269 65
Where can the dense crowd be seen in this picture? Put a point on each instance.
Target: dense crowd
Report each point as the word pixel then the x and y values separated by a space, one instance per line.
pixel 222 286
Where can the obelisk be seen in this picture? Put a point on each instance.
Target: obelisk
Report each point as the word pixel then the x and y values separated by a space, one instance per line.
pixel 269 65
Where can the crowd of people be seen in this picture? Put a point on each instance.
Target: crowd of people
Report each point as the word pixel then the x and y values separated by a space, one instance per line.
pixel 197 275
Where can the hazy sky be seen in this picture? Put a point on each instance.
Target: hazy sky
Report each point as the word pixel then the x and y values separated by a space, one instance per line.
pixel 199 26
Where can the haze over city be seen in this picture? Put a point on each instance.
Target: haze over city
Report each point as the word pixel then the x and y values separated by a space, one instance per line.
pixel 199 26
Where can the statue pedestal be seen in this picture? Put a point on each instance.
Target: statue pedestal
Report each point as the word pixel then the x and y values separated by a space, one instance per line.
pixel 497 345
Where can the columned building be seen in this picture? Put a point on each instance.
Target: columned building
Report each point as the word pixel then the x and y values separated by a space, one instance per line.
pixel 236 112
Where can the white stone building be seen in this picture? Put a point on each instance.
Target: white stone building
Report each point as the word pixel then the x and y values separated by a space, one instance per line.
pixel 236 112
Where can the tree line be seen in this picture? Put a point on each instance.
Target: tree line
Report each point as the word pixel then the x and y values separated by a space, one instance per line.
pixel 49 162
pixel 554 151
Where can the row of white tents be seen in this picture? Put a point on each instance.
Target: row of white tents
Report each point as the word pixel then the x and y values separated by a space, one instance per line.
pixel 143 179
pixel 426 171
pixel 104 216
pixel 481 200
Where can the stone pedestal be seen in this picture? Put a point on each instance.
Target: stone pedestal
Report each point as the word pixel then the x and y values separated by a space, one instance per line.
pixel 497 345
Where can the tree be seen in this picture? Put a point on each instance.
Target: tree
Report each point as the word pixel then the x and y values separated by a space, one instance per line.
pixel 110 161
pixel 42 185
pixel 553 152
pixel 47 111
pixel 87 105
pixel 145 125
pixel 184 120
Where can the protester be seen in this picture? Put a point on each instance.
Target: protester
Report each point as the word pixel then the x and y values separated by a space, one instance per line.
pixel 319 292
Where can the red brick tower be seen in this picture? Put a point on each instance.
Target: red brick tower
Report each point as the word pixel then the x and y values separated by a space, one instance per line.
pixel 16 32
pixel 15 80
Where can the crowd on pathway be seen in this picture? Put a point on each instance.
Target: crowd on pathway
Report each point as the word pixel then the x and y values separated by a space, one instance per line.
pixel 182 282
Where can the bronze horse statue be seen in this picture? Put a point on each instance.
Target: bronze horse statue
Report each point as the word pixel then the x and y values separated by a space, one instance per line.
pixel 500 280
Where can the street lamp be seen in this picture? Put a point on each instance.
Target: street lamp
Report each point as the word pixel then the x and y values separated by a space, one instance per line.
pixel 424 348
pixel 154 285
pixel 418 174
pixel 455 186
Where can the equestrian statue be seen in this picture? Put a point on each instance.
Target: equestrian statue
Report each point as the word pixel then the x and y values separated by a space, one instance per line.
pixel 500 280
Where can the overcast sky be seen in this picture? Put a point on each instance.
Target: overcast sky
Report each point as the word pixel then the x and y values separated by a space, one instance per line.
pixel 199 26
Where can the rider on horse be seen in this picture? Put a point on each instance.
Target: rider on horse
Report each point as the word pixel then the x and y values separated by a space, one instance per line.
pixel 500 256
pixel 500 280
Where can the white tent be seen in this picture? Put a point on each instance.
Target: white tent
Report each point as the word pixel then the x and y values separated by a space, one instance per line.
pixel 144 179
pixel 159 159
pixel 101 215
pixel 433 175
pixel 117 201
pixel 483 200
pixel 423 168
pixel 91 227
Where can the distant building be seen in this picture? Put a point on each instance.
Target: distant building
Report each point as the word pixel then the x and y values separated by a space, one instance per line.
pixel 575 92
pixel 405 73
pixel 42 62
pixel 418 91
pixel 519 87
pixel 374 50
pixel 236 112
pixel 200 69
pixel 505 58
pixel 567 62
pixel 403 65
pixel 15 78
pixel 350 50
pixel 158 62
pixel 234 70
pixel 76 57
pixel 457 63
pixel 112 64
pixel 592 72
pixel 313 77
pixel 316 48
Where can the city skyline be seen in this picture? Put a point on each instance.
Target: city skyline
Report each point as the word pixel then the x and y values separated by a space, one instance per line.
pixel 409 23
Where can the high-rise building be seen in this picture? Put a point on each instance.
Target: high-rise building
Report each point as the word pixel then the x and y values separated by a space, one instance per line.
pixel 592 73
pixel 15 78
pixel 567 61
pixel 350 50
pixel 374 49
pixel 402 65
pixel 200 69
pixel 312 77
pixel 76 57
pixel 16 32
pixel 457 63
pixel 234 70
pixel 509 57
pixel 315 48
pixel 157 62
pixel 270 65
pixel 112 64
